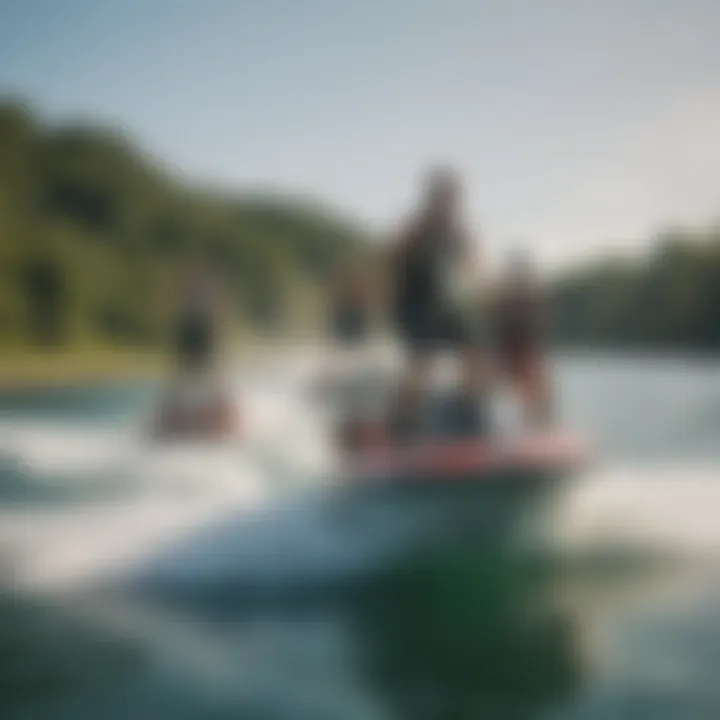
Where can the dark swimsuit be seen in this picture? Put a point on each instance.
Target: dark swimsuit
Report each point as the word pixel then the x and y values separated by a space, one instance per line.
pixel 194 341
pixel 195 333
pixel 424 317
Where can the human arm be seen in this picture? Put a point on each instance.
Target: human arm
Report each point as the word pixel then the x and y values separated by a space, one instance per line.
pixel 469 268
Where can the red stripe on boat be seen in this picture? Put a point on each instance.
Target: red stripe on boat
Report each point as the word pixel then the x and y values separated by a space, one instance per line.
pixel 458 459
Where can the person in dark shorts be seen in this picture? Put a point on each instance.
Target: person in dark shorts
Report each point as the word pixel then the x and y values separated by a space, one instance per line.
pixel 196 318
pixel 518 318
pixel 425 261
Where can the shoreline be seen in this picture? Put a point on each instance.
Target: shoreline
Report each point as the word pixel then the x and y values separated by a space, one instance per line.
pixel 37 370
pixel 49 370
pixel 27 370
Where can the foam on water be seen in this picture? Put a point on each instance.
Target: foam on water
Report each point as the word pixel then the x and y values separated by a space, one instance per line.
pixel 666 505
pixel 157 497
pixel 159 493
pixel 45 449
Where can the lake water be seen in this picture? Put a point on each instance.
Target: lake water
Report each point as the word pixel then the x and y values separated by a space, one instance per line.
pixel 614 614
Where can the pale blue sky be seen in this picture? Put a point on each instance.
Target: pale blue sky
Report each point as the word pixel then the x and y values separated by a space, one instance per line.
pixel 580 125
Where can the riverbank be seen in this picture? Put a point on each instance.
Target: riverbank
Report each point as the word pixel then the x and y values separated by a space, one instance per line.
pixel 21 368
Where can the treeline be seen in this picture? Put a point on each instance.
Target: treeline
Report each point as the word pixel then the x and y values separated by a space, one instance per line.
pixel 92 232
pixel 669 300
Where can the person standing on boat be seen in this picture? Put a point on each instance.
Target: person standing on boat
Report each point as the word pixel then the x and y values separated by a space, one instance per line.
pixel 427 260
pixel 519 320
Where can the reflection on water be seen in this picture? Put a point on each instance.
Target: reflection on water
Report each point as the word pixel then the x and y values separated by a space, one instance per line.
pixel 468 634
pixel 459 633
pixel 589 627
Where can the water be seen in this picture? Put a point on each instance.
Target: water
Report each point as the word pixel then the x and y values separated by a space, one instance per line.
pixel 233 582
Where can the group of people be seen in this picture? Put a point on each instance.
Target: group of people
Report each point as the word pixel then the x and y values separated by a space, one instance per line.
pixel 496 330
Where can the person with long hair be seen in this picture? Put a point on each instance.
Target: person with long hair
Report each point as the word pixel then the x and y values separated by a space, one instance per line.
pixel 519 321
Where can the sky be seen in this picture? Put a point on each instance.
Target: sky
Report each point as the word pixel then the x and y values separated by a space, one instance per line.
pixel 581 127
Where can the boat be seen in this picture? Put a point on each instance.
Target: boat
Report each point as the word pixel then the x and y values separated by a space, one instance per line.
pixel 484 477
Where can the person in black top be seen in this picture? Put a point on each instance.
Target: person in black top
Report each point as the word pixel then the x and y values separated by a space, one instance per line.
pixel 426 260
